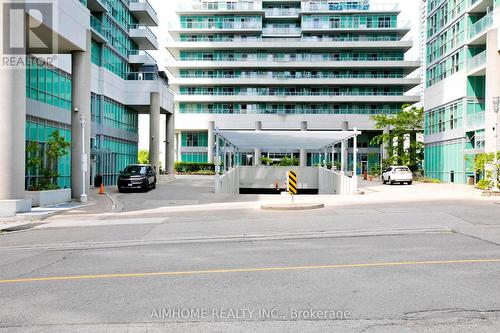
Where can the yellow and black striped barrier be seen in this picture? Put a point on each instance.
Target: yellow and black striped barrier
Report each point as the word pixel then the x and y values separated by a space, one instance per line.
pixel 292 182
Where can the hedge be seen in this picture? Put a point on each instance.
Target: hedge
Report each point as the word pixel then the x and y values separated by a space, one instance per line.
pixel 193 167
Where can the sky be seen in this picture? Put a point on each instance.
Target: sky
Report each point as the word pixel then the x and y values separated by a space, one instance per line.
pixel 410 11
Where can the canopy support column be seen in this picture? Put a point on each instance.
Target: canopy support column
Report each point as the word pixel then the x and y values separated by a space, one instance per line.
pixel 333 157
pixel 355 162
pixel 342 156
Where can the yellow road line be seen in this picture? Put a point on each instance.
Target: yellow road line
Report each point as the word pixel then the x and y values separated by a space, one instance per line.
pixel 250 270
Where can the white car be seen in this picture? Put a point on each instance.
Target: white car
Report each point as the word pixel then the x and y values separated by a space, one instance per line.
pixel 397 174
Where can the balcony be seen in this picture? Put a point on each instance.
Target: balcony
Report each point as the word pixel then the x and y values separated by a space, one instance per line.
pixel 143 37
pixel 308 7
pixel 337 25
pixel 298 98
pixel 97 5
pixel 282 31
pixel 475 120
pixel 144 12
pixel 293 111
pixel 141 57
pixel 476 66
pixel 480 26
pixel 282 12
pixel 220 6
pixel 215 26
pixel 97 28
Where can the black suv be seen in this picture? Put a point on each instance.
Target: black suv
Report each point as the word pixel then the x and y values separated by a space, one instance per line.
pixel 137 176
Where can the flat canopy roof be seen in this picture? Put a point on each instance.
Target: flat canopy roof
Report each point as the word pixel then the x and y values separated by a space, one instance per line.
pixel 289 140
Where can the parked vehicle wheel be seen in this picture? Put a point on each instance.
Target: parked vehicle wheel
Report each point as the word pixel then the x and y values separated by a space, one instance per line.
pixel 383 181
pixel 409 183
pixel 145 187
pixel 391 182
pixel 153 186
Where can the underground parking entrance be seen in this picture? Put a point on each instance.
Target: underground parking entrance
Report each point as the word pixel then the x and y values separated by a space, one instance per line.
pixel 239 168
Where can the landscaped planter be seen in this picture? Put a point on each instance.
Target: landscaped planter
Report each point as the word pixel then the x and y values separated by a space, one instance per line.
pixel 47 198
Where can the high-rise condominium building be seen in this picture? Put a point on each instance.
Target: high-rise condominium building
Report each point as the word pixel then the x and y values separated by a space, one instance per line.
pixel 462 78
pixel 92 95
pixel 287 64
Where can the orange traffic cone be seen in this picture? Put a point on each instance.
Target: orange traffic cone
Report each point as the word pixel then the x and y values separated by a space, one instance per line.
pixel 101 189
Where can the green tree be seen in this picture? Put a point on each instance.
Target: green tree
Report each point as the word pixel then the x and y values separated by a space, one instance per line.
pixel 143 156
pixel 481 161
pixel 57 147
pixel 33 163
pixel 43 167
pixel 406 124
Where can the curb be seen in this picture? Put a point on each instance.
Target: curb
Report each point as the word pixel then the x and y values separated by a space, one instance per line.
pixel 117 206
pixel 292 206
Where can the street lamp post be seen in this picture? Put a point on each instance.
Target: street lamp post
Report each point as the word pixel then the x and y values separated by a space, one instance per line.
pixel 83 196
pixel 496 107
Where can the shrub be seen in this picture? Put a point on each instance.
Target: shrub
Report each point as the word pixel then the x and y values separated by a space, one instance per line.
pixel 484 184
pixel 266 160
pixel 288 161
pixel 429 180
pixel 190 167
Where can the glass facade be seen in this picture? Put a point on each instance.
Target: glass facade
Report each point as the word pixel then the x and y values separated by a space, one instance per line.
pixel 38 131
pixel 114 142
pixel 249 75
pixel 455 129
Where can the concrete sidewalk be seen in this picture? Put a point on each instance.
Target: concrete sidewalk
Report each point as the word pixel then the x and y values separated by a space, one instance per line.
pixel 98 204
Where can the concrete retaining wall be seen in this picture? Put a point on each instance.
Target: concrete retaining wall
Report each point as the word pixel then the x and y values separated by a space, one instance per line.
pixel 331 182
pixel 266 176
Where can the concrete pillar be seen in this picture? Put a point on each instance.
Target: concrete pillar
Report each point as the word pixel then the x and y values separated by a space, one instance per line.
pixel 257 152
pixel 385 146
pixel 342 156
pixel 492 83
pixel 333 157
pixel 170 144
pixel 211 141
pixel 303 153
pixel 154 131
pixel 217 154
pixel 12 131
pixel 178 145
pixel 80 94
pixel 345 125
pixel 355 163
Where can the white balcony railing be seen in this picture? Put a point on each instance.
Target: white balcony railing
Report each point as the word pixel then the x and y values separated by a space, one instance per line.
pixel 326 7
pixel 221 5
pixel 282 11
pixel 216 25
pixel 281 31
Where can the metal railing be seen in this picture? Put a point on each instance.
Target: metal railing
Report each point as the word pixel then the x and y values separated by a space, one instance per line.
pixel 142 53
pixel 296 59
pixel 315 7
pixel 142 27
pixel 221 5
pixel 296 77
pixel 281 31
pixel 297 93
pixel 216 25
pixel 323 39
pixel 294 111
pixel 282 11
pixel 311 25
